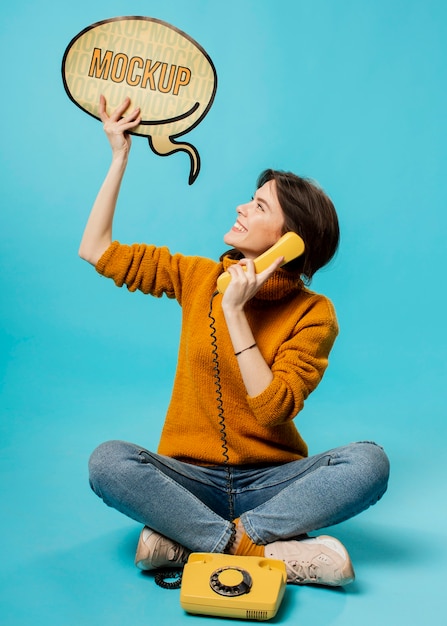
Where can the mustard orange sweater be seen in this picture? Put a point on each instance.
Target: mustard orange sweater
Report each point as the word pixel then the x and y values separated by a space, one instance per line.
pixel 293 327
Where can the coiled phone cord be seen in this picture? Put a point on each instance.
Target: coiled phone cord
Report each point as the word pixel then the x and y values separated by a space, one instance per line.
pixel 221 416
pixel 163 575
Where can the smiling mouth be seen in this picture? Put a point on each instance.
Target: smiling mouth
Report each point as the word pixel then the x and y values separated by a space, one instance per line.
pixel 239 228
pixel 172 119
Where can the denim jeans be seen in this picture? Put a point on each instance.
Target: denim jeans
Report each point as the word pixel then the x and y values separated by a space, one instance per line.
pixel 190 504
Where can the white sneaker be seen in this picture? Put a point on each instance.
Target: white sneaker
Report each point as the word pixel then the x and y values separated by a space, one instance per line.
pixel 319 560
pixel 155 551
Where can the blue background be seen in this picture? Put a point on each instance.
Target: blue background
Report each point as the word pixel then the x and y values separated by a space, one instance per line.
pixel 350 93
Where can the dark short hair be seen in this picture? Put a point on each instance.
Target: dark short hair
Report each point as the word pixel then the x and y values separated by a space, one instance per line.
pixel 310 213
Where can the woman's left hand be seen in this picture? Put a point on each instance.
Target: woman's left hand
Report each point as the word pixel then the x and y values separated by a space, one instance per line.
pixel 245 282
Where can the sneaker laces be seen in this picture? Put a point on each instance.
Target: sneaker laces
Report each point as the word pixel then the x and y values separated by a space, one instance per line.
pixel 301 572
pixel 177 553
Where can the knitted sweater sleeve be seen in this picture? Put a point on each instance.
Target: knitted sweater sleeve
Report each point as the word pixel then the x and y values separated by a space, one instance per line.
pixel 150 269
pixel 298 366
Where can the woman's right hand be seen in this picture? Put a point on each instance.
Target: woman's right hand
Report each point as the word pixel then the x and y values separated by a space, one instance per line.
pixel 116 125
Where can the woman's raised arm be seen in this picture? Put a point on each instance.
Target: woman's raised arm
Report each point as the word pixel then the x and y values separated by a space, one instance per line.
pixel 98 231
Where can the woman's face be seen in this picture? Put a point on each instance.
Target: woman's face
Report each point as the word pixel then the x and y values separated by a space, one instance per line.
pixel 259 223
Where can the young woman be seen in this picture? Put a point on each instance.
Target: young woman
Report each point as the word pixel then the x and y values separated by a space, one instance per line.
pixel 232 473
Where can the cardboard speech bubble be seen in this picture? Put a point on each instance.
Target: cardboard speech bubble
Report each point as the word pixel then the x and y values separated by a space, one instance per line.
pixel 159 67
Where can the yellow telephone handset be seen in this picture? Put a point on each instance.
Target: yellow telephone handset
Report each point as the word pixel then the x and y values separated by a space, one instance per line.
pixel 290 246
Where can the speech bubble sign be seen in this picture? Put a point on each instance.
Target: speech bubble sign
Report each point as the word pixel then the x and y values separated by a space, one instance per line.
pixel 159 67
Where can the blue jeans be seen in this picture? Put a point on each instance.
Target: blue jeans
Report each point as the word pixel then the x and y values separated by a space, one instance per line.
pixel 189 503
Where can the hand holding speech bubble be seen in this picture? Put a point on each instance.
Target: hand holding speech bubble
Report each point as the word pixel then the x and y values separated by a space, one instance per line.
pixel 160 68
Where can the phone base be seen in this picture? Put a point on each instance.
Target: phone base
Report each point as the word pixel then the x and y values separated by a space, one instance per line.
pixel 243 587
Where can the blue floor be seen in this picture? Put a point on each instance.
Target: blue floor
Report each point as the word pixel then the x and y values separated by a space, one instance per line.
pixel 351 93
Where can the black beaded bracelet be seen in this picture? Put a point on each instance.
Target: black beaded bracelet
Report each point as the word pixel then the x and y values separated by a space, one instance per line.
pixel 241 351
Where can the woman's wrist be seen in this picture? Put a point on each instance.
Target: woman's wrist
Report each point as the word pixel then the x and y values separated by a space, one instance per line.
pixel 233 312
pixel 253 345
pixel 120 157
